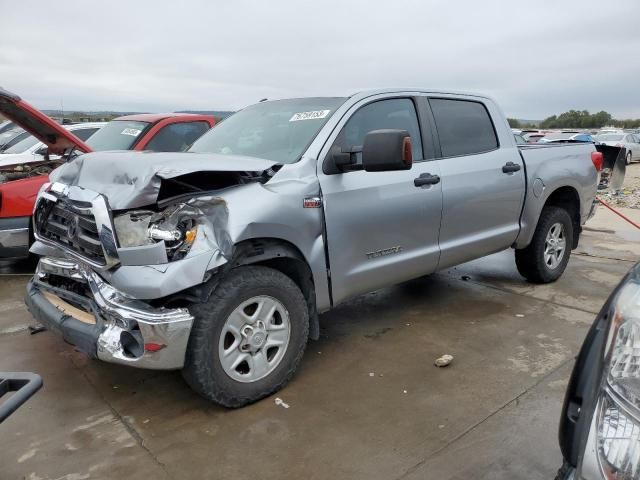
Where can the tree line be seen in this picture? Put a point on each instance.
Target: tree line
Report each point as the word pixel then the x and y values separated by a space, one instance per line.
pixel 578 119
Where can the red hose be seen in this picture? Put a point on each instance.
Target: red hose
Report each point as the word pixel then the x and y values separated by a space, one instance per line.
pixel 618 213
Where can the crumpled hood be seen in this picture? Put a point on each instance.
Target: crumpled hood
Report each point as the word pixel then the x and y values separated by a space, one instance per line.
pixel 133 179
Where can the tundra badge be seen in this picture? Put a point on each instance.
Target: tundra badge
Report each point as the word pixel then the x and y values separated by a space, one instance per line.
pixel 383 252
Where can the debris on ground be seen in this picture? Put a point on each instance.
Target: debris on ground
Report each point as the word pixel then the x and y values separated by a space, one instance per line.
pixel 443 361
pixel 281 403
pixel 33 329
pixel 519 315
pixel 371 374
pixel 629 195
pixel 625 198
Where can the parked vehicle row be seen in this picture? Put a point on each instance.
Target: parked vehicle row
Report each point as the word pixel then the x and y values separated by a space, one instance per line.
pixel 628 141
pixel 31 149
pixel 22 175
pixel 218 261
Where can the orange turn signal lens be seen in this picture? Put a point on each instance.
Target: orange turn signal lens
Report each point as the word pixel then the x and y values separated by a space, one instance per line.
pixel 190 235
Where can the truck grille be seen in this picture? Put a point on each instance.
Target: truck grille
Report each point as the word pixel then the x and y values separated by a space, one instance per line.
pixel 71 225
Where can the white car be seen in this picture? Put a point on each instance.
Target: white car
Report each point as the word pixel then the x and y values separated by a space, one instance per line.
pixel 629 141
pixel 31 149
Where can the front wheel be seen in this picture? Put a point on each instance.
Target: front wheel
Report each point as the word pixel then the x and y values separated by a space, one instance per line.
pixel 248 338
pixel 545 258
pixel 629 158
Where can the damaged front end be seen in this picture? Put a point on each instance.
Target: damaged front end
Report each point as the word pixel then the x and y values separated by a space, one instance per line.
pixel 104 323
pixel 109 280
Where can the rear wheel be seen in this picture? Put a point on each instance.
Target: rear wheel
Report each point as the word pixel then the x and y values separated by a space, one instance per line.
pixel 545 258
pixel 248 338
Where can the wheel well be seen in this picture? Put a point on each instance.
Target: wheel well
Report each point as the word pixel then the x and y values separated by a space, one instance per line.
pixel 287 259
pixel 568 198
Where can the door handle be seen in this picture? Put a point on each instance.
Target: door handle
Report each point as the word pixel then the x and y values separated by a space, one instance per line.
pixel 426 179
pixel 510 167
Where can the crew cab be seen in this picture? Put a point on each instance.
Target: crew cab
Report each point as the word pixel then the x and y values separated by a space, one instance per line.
pixel 218 261
pixel 21 180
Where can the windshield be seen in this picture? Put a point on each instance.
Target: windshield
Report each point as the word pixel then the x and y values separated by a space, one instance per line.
pixel 7 125
pixel 279 130
pixel 609 138
pixel 23 145
pixel 9 134
pixel 117 135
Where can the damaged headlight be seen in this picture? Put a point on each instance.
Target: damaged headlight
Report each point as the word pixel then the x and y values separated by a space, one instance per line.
pixel 176 226
pixel 619 414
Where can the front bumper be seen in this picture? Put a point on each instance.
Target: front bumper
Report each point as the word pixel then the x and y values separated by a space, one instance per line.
pixel 104 322
pixel 14 237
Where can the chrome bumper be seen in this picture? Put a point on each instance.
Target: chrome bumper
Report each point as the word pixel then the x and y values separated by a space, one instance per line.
pixel 127 331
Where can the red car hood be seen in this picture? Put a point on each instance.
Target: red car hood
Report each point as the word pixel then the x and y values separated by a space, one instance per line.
pixel 55 136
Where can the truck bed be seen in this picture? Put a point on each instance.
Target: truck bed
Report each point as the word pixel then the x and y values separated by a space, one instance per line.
pixel 544 177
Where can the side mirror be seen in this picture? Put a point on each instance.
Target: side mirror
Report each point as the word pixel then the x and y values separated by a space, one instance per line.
pixel 387 150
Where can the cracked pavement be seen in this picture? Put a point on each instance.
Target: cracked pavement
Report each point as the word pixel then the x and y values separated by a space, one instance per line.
pixel 493 413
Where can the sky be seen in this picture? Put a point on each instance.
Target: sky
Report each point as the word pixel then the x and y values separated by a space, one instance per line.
pixel 534 58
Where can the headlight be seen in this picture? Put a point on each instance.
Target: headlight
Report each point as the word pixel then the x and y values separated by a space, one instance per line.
pixel 619 406
pixel 176 226
pixel 618 440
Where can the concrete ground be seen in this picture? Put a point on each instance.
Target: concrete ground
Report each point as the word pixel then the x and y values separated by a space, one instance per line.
pixel 367 403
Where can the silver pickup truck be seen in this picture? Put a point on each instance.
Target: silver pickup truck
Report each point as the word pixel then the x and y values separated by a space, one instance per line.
pixel 218 261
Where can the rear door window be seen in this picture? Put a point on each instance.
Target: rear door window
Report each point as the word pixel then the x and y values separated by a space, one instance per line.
pixel 177 137
pixel 464 127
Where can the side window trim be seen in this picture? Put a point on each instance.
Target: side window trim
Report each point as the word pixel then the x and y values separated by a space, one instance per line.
pixel 428 129
pixel 414 102
pixel 493 126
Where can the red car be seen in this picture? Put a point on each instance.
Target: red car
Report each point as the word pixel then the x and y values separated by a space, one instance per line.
pixel 19 184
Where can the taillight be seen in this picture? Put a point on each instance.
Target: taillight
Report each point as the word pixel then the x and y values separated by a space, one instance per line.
pixel 598 160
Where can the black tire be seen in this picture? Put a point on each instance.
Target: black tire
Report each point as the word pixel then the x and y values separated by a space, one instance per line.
pixel 629 156
pixel 203 370
pixel 530 260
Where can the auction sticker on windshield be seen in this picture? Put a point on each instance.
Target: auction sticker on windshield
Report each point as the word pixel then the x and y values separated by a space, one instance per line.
pixel 134 132
pixel 309 115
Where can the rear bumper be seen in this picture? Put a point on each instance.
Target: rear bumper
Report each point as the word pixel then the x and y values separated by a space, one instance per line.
pixel 14 237
pixel 105 323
